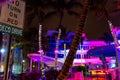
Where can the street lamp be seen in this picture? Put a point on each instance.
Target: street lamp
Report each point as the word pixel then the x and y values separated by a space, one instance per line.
pixel 2 50
pixel 23 61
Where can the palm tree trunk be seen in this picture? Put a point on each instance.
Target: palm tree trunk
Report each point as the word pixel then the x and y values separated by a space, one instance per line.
pixel 74 46
pixel 56 50
pixel 116 44
pixel 117 52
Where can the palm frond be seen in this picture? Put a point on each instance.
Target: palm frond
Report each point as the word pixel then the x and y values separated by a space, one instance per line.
pixel 74 4
pixel 73 13
pixel 50 14
pixel 99 7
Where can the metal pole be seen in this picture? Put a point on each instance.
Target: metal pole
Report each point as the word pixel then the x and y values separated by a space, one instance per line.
pixel 7 66
pixel 30 65
pixel 65 54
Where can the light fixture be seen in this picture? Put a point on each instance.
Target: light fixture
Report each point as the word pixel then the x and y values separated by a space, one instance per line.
pixel 2 50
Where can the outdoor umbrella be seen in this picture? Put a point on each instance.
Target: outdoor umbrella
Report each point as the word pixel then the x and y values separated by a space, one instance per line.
pixel 49 61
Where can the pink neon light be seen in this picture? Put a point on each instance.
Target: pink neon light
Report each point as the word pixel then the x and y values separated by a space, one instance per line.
pixel 40 51
pixel 95 60
pixel 118 47
pixel 56 51
pixel 97 43
pixel 83 35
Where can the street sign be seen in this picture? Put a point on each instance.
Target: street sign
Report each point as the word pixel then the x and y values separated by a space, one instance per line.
pixel 12 17
pixel 10 29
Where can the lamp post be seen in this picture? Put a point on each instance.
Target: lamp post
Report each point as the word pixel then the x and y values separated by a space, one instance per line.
pixel 23 63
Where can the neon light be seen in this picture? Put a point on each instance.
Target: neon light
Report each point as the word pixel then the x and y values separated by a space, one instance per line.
pixel 40 51
pixel 56 51
pixel 113 65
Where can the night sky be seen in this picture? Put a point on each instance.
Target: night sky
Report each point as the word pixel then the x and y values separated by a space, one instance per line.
pixel 95 27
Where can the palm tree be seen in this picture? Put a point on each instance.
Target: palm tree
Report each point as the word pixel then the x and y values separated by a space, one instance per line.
pixel 60 7
pixel 74 46
pixel 29 42
pixel 117 51
pixel 34 16
pixel 104 13
pixel 98 6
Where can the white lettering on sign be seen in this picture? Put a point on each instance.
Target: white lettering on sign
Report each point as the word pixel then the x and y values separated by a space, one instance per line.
pixel 5 29
pixel 10 29
pixel 16 31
